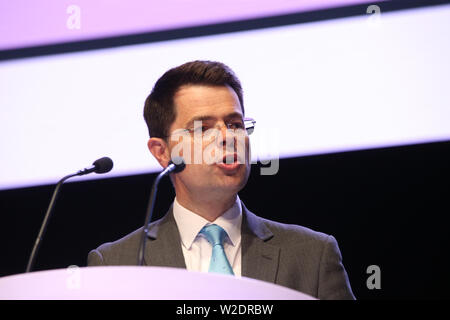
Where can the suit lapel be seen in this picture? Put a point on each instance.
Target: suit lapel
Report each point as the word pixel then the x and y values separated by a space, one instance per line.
pixel 163 246
pixel 259 258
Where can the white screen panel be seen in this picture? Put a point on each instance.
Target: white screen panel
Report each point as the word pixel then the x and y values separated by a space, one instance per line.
pixel 313 88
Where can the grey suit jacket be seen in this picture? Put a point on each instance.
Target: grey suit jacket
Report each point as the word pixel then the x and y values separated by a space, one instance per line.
pixel 288 255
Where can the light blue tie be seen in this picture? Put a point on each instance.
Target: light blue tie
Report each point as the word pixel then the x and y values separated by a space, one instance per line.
pixel 215 236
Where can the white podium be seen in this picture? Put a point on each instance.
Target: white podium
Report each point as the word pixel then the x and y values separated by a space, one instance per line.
pixel 138 283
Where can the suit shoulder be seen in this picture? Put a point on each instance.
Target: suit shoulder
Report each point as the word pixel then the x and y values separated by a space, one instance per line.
pixel 295 232
pixel 130 240
pixel 124 251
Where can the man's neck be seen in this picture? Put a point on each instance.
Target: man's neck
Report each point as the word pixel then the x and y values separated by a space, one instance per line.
pixel 210 209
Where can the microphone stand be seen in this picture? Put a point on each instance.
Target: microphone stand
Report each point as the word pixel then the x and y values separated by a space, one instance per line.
pixel 37 244
pixel 148 217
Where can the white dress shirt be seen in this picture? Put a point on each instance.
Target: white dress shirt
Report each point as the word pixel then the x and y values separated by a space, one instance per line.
pixel 196 249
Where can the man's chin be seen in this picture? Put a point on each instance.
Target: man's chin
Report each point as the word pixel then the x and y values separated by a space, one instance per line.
pixel 226 180
pixel 234 180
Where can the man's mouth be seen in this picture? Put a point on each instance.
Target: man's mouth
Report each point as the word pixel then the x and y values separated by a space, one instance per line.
pixel 229 162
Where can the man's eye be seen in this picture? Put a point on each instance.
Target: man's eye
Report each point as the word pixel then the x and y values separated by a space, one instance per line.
pixel 200 129
pixel 237 125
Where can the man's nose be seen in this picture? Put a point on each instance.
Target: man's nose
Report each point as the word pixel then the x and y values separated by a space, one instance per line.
pixel 225 134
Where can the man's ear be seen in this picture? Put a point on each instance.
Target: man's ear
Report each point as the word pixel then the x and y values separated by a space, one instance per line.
pixel 159 149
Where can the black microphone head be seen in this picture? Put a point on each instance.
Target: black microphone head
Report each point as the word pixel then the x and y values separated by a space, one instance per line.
pixel 103 165
pixel 179 164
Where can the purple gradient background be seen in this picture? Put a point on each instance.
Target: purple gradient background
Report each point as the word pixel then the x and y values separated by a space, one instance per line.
pixel 25 23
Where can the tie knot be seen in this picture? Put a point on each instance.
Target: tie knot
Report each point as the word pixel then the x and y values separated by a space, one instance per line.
pixel 214 234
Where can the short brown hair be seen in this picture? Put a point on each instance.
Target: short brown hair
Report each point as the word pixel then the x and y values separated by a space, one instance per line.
pixel 159 109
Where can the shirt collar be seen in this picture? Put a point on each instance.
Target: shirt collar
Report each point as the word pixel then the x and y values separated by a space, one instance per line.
pixel 189 223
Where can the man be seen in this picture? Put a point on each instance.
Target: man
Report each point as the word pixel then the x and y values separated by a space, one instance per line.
pixel 202 102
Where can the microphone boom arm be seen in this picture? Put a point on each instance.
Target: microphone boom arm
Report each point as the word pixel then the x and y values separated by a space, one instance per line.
pixel 37 243
pixel 148 217
pixel 176 165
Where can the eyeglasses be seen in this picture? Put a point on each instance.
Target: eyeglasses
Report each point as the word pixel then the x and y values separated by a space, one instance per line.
pixel 249 124
pixel 205 128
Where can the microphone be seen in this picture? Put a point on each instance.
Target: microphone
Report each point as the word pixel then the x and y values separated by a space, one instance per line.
pixel 101 165
pixel 175 165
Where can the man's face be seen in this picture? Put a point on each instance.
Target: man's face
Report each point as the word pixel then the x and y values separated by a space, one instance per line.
pixel 215 106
